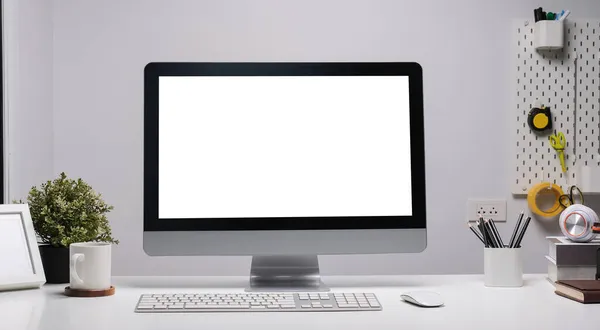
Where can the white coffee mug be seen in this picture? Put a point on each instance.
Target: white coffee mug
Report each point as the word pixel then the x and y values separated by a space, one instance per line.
pixel 90 266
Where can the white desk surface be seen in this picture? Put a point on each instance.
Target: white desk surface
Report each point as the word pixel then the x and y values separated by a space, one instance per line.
pixel 469 305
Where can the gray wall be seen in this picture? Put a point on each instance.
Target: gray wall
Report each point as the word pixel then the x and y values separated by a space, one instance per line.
pixel 101 47
pixel 28 93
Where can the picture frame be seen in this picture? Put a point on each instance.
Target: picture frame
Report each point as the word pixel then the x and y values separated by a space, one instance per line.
pixel 21 264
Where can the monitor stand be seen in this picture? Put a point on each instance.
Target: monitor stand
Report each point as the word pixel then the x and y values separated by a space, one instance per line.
pixel 285 273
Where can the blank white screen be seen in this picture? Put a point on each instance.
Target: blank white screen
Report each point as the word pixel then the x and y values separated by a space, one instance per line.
pixel 297 146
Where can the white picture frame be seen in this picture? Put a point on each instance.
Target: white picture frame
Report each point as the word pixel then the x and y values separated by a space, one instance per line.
pixel 20 263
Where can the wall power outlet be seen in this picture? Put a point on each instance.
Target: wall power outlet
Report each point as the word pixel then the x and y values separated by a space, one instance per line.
pixel 488 208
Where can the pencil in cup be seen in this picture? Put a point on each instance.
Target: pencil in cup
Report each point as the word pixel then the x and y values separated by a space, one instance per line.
pixel 495 237
pixel 477 233
pixel 515 231
pixel 496 232
pixel 517 242
pixel 487 232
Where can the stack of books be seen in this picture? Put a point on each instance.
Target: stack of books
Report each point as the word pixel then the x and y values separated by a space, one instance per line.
pixel 568 260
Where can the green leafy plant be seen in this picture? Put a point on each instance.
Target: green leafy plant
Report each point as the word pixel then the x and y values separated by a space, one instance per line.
pixel 66 211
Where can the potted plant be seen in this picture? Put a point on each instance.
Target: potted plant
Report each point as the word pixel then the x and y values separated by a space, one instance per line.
pixel 66 211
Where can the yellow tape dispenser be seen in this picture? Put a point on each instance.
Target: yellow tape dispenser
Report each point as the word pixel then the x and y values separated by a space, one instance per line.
pixel 544 199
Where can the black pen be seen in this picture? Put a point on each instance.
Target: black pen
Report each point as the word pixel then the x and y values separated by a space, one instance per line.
pixel 514 234
pixel 520 239
pixel 537 14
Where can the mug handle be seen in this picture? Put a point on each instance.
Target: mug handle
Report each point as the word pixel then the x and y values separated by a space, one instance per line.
pixel 74 259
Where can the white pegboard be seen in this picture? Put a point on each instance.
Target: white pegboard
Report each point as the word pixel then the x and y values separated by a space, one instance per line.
pixel 567 81
pixel 586 42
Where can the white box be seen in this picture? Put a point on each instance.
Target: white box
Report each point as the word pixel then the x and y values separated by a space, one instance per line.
pixel 549 35
pixel 503 267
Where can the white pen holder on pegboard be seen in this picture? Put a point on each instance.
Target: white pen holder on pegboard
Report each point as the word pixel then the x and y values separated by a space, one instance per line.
pixel 549 35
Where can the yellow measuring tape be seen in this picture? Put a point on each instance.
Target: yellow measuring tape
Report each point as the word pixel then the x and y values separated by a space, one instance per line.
pixel 548 192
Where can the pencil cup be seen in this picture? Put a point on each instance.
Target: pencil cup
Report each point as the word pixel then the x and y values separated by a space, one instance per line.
pixel 548 35
pixel 503 267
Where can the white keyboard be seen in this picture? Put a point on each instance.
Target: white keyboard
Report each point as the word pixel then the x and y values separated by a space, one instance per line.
pixel 257 302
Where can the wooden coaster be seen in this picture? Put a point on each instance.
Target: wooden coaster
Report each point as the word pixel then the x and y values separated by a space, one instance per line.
pixel 89 293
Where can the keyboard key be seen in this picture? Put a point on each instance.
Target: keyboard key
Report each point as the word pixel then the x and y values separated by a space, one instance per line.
pixel 288 306
pixel 306 306
pixel 146 307
pixel 327 306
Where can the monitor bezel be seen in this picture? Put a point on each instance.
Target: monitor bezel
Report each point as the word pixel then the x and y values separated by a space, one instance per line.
pixel 154 70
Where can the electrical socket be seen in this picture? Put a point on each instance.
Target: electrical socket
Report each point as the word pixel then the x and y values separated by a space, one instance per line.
pixel 488 208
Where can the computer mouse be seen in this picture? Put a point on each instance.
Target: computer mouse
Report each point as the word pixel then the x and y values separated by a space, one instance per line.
pixel 423 298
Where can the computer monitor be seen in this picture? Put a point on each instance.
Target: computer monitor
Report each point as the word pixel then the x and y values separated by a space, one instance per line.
pixel 283 162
